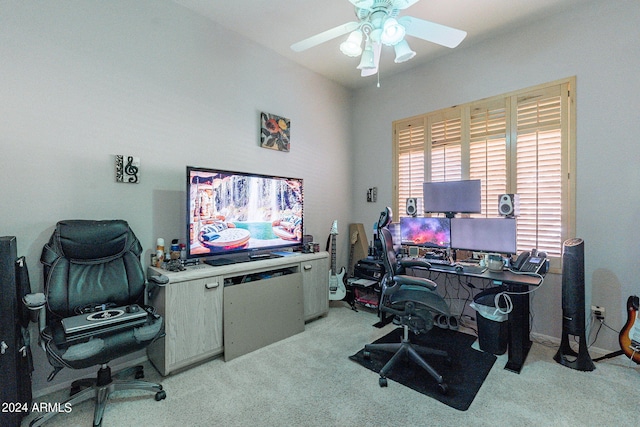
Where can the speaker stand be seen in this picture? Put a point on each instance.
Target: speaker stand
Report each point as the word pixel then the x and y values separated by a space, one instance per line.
pixel 580 360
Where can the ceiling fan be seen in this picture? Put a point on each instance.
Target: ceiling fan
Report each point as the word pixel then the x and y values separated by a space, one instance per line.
pixel 378 24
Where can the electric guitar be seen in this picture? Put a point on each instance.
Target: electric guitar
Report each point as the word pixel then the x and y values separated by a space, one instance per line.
pixel 629 337
pixel 337 290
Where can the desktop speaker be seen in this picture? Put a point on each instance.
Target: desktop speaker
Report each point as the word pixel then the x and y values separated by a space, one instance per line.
pixel 412 206
pixel 573 310
pixel 509 204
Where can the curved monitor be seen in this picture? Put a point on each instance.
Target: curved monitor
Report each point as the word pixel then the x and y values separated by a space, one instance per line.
pixel 451 197
pixel 232 212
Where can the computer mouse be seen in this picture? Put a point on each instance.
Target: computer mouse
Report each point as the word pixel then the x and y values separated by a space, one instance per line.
pixel 459 268
pixel 133 308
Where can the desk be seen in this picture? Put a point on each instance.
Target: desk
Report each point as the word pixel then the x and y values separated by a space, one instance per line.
pixel 519 342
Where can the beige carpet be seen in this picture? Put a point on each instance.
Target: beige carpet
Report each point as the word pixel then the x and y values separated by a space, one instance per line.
pixel 308 380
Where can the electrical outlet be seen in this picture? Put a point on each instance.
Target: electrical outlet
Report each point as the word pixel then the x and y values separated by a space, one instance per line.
pixel 598 312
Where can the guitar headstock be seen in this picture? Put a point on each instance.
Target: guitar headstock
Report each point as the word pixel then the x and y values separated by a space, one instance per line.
pixel 334 228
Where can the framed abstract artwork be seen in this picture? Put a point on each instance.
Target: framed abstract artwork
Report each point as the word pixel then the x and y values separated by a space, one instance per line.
pixel 275 132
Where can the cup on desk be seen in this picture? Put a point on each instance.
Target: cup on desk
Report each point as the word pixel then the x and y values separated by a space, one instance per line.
pixel 495 262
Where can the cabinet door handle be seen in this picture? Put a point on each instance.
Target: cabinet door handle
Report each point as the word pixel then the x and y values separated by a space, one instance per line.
pixel 307 266
pixel 211 285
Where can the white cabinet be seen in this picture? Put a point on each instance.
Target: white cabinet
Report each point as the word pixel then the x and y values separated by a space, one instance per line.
pixel 315 285
pixel 192 312
pixel 194 301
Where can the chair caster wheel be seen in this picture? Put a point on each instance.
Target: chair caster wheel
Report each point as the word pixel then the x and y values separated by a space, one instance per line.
pixel 366 354
pixel 443 388
pixel 382 381
pixel 161 395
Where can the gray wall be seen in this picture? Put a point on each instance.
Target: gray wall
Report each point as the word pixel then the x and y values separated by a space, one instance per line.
pixel 598 43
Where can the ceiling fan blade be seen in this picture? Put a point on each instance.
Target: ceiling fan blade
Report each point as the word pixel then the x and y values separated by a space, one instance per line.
pixel 403 4
pixel 366 72
pixel 362 4
pixel 432 32
pixel 325 36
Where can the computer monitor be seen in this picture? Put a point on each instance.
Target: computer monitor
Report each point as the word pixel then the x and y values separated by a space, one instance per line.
pixel 484 234
pixel 426 232
pixel 451 197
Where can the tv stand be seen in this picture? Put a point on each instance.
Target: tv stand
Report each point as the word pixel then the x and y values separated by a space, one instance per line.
pixel 253 303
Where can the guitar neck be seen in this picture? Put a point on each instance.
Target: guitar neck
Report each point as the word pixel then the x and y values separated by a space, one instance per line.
pixel 333 253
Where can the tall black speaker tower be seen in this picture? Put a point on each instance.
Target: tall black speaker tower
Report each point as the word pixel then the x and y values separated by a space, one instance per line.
pixel 573 311
pixel 15 355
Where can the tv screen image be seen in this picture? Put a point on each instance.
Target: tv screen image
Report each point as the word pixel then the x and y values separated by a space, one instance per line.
pixel 229 212
pixel 428 232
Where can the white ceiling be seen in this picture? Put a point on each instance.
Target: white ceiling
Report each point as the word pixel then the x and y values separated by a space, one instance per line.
pixel 277 24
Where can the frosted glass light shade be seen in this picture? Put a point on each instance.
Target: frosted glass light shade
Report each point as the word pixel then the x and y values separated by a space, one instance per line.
pixel 392 33
pixel 367 60
pixel 403 52
pixel 351 46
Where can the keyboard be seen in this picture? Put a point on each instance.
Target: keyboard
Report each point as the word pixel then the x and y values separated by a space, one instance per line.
pixel 104 321
pixel 438 261
pixel 467 269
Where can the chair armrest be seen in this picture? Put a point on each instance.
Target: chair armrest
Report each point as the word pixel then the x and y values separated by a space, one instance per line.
pixel 159 280
pixel 37 302
pixel 154 284
pixel 416 281
pixel 34 301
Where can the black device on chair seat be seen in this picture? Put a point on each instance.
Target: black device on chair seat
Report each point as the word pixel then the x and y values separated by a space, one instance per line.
pixel 84 262
pixel 413 301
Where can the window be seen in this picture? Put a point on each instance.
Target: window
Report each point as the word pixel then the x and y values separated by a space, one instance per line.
pixel 522 142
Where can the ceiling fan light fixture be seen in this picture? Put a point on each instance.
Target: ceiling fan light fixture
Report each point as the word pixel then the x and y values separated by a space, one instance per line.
pixel 403 52
pixel 392 32
pixel 352 46
pixel 367 59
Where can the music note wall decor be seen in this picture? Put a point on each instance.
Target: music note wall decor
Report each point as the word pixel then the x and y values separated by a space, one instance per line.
pixel 127 169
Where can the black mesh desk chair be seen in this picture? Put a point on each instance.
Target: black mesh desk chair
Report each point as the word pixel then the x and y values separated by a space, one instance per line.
pixel 413 301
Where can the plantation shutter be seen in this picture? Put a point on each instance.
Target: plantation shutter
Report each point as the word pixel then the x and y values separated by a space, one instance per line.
pixel 410 148
pixel 522 143
pixel 488 153
pixel 539 171
pixel 446 149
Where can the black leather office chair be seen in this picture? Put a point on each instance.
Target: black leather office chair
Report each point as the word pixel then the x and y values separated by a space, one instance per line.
pixel 90 267
pixel 413 301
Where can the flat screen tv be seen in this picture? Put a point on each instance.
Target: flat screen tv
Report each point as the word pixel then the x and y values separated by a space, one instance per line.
pixel 484 234
pixel 233 212
pixel 426 232
pixel 452 197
